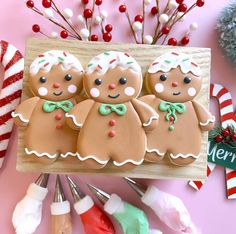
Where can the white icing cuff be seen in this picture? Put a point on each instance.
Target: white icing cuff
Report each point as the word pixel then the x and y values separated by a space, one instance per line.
pixel 83 205
pixel 36 192
pixel 60 208
pixel 27 151
pixel 128 161
pixel 156 117
pixel 74 120
pixel 150 196
pixel 1 162
pixel 183 156
pixel 114 205
pixel 211 120
pixel 155 231
pixel 155 150
pixel 68 154
pixel 92 157
pixel 14 115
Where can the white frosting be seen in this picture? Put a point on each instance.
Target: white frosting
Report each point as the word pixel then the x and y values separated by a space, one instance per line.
pixel 192 92
pixel 42 91
pixel 171 60
pixel 128 161
pixel 159 88
pixel 111 59
pixel 27 151
pixel 50 58
pixel 103 162
pixel 74 120
pixel 72 89
pixel 129 91
pixel 183 156
pixel 68 154
pixel 155 150
pixel 94 92
pixel 60 208
pixel 211 120
pixel 155 117
pixel 14 115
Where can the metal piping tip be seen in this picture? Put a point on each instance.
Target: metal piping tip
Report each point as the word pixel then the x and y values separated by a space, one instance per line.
pixel 102 196
pixel 76 192
pixel 42 180
pixel 138 188
pixel 59 195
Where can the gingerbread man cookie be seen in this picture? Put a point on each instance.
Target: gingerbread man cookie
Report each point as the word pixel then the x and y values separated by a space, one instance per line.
pixel 174 79
pixel 55 79
pixel 113 122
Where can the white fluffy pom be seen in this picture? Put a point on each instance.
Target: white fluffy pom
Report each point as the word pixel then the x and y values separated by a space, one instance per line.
pixel 48 13
pixel 179 14
pixel 163 18
pixel 68 13
pixel 148 39
pixel 84 32
pixel 147 2
pixel 172 4
pixel 98 20
pixel 193 26
pixel 80 19
pixel 54 35
pixel 137 26
pixel 104 14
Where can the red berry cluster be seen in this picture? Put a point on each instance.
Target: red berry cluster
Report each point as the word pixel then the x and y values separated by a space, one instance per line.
pixel 226 136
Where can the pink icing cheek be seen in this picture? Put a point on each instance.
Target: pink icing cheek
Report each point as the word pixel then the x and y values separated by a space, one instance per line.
pixel 72 89
pixel 42 91
pixel 192 92
pixel 129 91
pixel 159 88
pixel 94 92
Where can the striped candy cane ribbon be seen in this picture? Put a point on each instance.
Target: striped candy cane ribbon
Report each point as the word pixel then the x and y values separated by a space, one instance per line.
pixel 228 118
pixel 13 64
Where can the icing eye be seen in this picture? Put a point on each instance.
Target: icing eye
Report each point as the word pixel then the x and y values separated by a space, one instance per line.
pixel 98 81
pixel 163 77
pixel 123 80
pixel 68 77
pixel 187 80
pixel 42 79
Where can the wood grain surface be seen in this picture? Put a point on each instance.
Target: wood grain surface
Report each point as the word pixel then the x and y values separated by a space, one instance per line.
pixel 144 54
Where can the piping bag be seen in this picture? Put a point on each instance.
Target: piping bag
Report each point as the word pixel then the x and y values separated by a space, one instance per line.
pixel 170 209
pixel 28 212
pixel 60 211
pixel 132 219
pixel 93 218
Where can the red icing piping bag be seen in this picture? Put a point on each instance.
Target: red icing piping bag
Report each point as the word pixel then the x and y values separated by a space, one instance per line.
pixel 170 209
pixel 93 218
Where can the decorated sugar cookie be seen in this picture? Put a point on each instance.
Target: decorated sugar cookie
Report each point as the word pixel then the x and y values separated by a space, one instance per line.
pixel 174 79
pixel 113 122
pixel 55 79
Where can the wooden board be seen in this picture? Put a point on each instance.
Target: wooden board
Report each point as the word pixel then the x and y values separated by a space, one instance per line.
pixel 144 54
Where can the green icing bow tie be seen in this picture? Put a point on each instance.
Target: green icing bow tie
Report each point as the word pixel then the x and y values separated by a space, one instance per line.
pixel 50 106
pixel 171 109
pixel 106 109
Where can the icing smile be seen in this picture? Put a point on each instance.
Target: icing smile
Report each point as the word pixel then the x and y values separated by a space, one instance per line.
pixel 57 94
pixel 176 94
pixel 116 96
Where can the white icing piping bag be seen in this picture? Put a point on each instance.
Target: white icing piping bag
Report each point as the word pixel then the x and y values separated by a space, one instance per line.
pixel 170 209
pixel 131 218
pixel 28 212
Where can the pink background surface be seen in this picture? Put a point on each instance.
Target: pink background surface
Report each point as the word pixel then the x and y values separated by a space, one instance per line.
pixel 210 209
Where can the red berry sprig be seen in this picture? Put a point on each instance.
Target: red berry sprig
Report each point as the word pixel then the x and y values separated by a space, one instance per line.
pixel 98 2
pixel 36 28
pixel 47 3
pixel 218 138
pixel 108 28
pixel 30 4
pixel 138 18
pixel 88 13
pixel 154 11
pixel 200 3
pixel 172 41
pixel 185 40
pixel 107 36
pixel 122 8
pixel 182 7
pixel 85 2
pixel 64 34
pixel 94 37
pixel 165 30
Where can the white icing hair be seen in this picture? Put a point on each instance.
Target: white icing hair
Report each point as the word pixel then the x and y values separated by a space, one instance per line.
pixel 111 59
pixel 50 58
pixel 171 60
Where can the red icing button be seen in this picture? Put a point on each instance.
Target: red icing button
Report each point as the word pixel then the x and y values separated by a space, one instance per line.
pixel 172 118
pixel 58 117
pixel 112 122
pixel 59 126
pixel 111 133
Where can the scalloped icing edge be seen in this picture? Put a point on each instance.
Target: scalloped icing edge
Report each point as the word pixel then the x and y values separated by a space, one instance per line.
pixel 183 156
pixel 92 157
pixel 128 161
pixel 154 117
pixel 211 120
pixel 14 115
pixel 27 151
pixel 74 120
pixel 155 150
pixel 68 154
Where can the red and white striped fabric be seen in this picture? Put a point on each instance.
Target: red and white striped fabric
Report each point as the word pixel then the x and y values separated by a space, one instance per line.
pixel 227 118
pixel 13 64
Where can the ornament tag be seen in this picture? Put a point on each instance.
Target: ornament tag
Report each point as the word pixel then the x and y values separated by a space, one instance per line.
pixel 222 154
